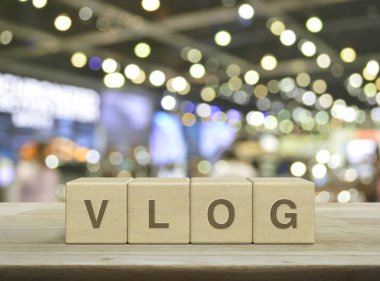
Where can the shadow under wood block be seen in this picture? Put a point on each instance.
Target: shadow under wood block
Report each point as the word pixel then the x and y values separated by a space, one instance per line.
pixel 221 210
pixel 283 211
pixel 96 210
pixel 158 211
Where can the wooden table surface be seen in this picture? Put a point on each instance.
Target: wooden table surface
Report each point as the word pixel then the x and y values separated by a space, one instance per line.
pixel 32 248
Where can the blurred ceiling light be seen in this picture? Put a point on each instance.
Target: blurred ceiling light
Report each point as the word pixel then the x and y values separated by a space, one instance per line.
pixel 92 156
pixel 85 13
pixel 251 77
pixel 132 71
pixel 270 122
pixel 288 37
pixel 203 110
pixel 188 119
pixel 344 196
pixel 222 38
pixel 141 78
pixel 303 79
pixel 269 143
pixel 194 55
pixel 355 80
pixel 372 68
pixel 150 5
pixel 314 24
pixel 276 26
pixel 241 97
pixel 115 158
pixel 298 169
pixel 323 61
pixel 179 84
pixel 308 48
pixel 260 91
pixel 325 101
pixel 286 126
pixel 186 90
pixel 78 59
pixel 348 55
pixel 322 118
pixel 324 196
pixel 22 0
pixel 375 114
pixel 319 86
pixel 51 161
pixel 142 50
pixel 268 62
pixel 367 76
pixel 233 70
pixel 95 63
pixel 287 84
pixel 370 90
pixel 197 70
pixel 246 11
pixel 208 94
pixel 109 65
pixel 319 171
pixel 263 104
pixel 168 102
pixel 255 118
pixel 6 37
pixel 309 98
pixel 114 80
pixel 235 83
pixel 323 156
pixel 350 115
pixel 39 4
pixel 157 78
pixel 204 167
pixel 273 86
pixel 62 22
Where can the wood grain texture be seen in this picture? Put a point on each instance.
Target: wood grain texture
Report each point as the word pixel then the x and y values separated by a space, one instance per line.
pixel 32 247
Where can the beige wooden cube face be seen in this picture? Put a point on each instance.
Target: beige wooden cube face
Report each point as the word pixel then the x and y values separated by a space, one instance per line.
pixel 96 211
pixel 221 210
pixel 283 211
pixel 158 211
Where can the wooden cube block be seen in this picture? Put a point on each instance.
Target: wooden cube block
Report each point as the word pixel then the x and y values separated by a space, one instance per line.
pixel 283 211
pixel 221 210
pixel 96 210
pixel 158 211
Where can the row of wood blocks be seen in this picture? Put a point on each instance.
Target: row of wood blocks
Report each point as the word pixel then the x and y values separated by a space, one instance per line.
pixel 195 210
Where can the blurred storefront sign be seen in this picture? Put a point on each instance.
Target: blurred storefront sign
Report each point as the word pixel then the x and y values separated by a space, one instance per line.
pixel 36 104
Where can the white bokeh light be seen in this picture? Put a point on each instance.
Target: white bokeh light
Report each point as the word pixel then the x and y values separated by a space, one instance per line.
pixel 222 38
pixel 268 62
pixel 150 5
pixel 62 22
pixel 132 71
pixel 314 24
pixel 114 80
pixel 288 37
pixel 298 169
pixel 168 102
pixel 246 11
pixel 157 78
pixel 308 48
pixel 51 161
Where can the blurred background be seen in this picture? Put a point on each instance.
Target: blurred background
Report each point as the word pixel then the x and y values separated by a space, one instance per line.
pixel 177 88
